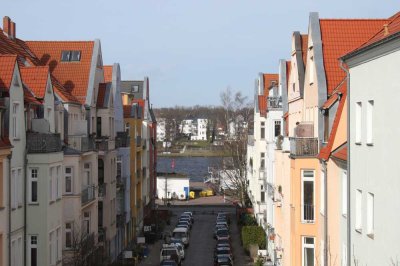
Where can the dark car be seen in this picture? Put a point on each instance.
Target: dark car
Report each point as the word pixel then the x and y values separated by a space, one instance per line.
pixel 223 234
pixel 168 263
pixel 223 260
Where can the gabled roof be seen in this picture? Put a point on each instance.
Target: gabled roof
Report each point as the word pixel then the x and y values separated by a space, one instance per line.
pixel 29 98
pixel 107 73
pixel 387 30
pixel 127 87
pixel 7 65
pixel 36 79
pixel 268 79
pixel 325 152
pixel 73 76
pixel 304 48
pixel 340 36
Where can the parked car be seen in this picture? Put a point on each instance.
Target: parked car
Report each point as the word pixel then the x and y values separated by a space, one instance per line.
pixel 222 223
pixel 181 249
pixel 168 263
pixel 224 241
pixel 223 234
pixel 170 252
pixel 182 225
pixel 190 214
pixel 218 227
pixel 222 260
pixel 182 234
pixel 185 222
pixel 187 219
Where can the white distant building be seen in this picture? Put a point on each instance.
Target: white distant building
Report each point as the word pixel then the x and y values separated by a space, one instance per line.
pixel 172 185
pixel 199 131
pixel 161 133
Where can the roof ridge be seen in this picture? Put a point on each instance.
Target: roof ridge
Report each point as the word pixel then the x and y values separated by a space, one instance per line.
pixel 354 19
pixel 58 41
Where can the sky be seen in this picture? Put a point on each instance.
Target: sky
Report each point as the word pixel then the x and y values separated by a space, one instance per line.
pixel 191 50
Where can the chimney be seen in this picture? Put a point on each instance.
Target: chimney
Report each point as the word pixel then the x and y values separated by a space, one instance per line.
pixel 385 29
pixel 12 30
pixel 7 25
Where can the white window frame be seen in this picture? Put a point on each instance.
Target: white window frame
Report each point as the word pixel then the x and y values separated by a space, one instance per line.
pixel 32 244
pixel 262 130
pixel 52 248
pixel 59 182
pixel 58 244
pixel 303 179
pixel 358 210
pixel 86 219
pixel 344 193
pixel 358 129
pixel 369 124
pixel 14 118
pixel 71 177
pixel 305 245
pixel 20 186
pixel 322 193
pixel 33 178
pixel 14 189
pixel 370 214
pixel 70 231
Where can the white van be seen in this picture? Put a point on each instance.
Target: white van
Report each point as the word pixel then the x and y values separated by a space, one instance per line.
pixel 182 234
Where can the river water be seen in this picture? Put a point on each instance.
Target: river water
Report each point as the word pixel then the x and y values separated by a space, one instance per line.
pixel 195 167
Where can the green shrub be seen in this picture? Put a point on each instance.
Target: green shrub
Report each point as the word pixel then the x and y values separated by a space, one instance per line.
pixel 247 220
pixel 253 235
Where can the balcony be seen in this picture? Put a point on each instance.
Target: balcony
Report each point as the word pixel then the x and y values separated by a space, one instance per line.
pixel 102 144
pixel 138 141
pixel 43 142
pixel 303 147
pixel 274 103
pixel 102 191
pixel 81 143
pixel 88 194
pixel 307 215
pixel 122 140
pixel 120 181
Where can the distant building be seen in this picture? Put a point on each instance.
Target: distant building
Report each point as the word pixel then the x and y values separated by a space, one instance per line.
pixel 172 185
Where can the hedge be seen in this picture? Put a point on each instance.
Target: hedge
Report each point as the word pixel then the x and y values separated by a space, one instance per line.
pixel 253 235
pixel 247 220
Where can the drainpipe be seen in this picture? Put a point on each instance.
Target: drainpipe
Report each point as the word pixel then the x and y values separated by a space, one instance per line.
pixel 25 205
pixel 326 214
pixel 348 164
pixel 9 208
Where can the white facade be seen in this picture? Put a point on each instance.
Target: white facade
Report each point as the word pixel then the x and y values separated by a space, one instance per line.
pixel 161 133
pixel 200 132
pixel 373 144
pixel 172 186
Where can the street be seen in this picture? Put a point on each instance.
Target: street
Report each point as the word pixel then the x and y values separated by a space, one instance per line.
pixel 201 248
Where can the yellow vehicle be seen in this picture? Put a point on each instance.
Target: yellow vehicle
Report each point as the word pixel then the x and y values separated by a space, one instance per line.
pixel 191 194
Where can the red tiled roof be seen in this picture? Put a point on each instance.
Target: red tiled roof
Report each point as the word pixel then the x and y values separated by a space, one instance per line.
pixel 340 36
pixel 101 95
pixel 304 48
pixel 325 152
pixel 19 48
pixel 268 78
pixel 393 27
pixel 29 98
pixel 7 65
pixel 262 104
pixel 340 153
pixel 36 79
pixel 107 73
pixel 74 76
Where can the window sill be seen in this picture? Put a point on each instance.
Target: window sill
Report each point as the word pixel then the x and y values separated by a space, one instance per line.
pixel 357 143
pixel 308 222
pixel 2 208
pixel 51 202
pixel 59 199
pixel 33 203
pixel 344 215
pixel 16 139
pixel 359 230
pixel 371 235
pixel 370 144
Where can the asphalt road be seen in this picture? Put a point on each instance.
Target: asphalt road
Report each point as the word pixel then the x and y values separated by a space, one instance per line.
pixel 201 247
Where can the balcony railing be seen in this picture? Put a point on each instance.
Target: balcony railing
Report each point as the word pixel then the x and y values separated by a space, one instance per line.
pixel 138 141
pixel 122 140
pixel 83 144
pixel 274 102
pixel 88 194
pixel 43 142
pixel 120 181
pixel 307 213
pixel 307 147
pixel 102 145
pixel 102 190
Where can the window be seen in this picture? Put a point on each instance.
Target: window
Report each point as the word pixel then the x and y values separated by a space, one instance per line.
pixel 262 160
pixel 52 248
pixel 15 130
pixel 370 214
pixel 263 196
pixel 70 56
pixel 262 136
pixel 16 252
pixel 86 175
pixel 68 180
pixel 358 122
pixel 20 187
pixel 98 127
pixel 326 125
pixel 358 218
pixel 308 251
pixel 59 183
pixel 344 193
pixel 86 223
pixel 322 193
pixel 370 111
pixel 58 244
pixel 33 250
pixel 135 88
pixel 68 235
pixel 307 194
pixel 33 181
pixel 277 128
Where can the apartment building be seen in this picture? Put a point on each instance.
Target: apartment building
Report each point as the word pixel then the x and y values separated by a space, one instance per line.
pixel 373 165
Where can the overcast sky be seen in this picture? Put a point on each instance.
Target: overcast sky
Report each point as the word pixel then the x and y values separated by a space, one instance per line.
pixel 191 50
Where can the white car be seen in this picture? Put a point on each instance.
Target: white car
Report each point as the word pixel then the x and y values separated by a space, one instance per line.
pixel 181 250
pixel 170 252
pixel 182 234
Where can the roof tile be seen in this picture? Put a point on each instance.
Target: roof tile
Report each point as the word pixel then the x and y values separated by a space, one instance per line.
pixel 36 79
pixel 108 73
pixel 7 64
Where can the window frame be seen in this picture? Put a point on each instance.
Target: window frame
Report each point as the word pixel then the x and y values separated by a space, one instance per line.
pixel 358 124
pixel 14 119
pixel 31 181
pixel 369 123
pixel 358 221
pixel 370 214
pixel 304 179
pixel 305 245
pixel 71 175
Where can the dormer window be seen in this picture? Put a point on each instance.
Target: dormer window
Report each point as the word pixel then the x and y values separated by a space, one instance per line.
pixel 70 56
pixel 135 88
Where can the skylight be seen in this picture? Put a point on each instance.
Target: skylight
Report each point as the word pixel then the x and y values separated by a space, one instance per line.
pixel 70 56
